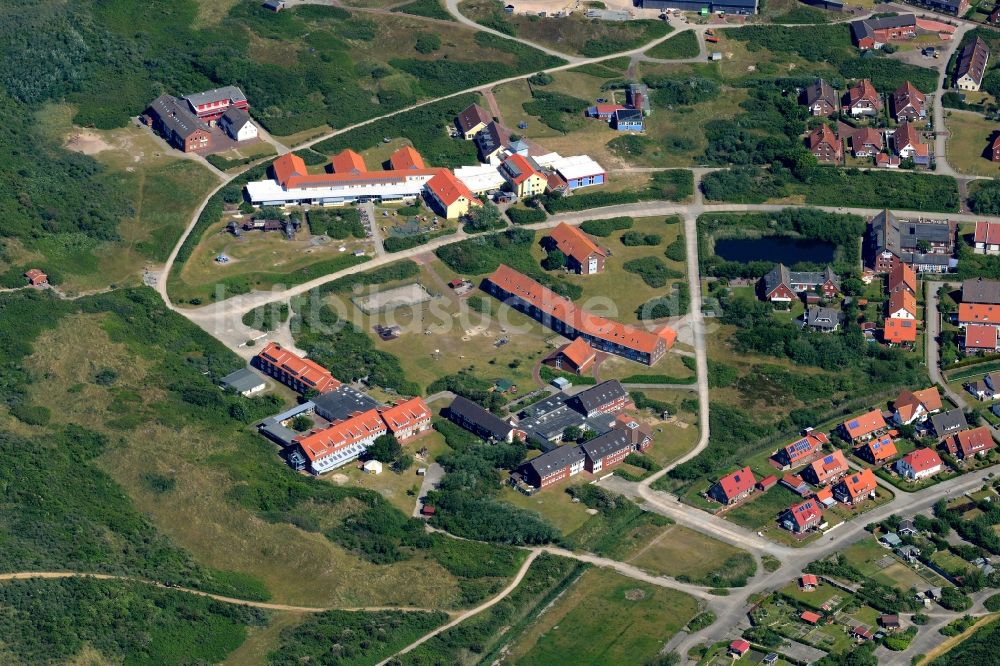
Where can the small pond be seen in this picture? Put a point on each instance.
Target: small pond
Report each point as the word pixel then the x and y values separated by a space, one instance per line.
pixel 775 248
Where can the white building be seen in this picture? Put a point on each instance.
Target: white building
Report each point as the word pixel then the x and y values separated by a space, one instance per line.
pixel 481 178
pixel 238 125
pixel 372 467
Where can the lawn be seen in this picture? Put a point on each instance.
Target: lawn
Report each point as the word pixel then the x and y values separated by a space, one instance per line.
pixel 554 505
pixel 198 514
pixel 763 510
pixel 970 137
pixel 823 595
pixel 604 618
pixel 678 551
pixel 882 566
pixel 163 190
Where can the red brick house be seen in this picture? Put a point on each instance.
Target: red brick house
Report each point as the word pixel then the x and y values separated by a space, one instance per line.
pixel 802 517
pixel 908 103
pixel 583 255
pixel 863 99
pixel 825 145
pixel 407 419
pixel 733 487
pixel 36 277
pixel 821 98
pixel 968 443
pixel 296 372
pixel 866 142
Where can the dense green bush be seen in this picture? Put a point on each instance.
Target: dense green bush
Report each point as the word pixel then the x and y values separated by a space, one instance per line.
pixel 266 317
pixel 682 45
pixel 652 270
pixel 980 648
pixel 607 226
pixel 526 215
pixel 555 109
pixel 428 8
pixel 336 223
pixel 635 238
pixel 400 243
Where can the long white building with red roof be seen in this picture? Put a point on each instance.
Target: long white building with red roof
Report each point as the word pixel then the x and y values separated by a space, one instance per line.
pixel 564 317
pixel 407 419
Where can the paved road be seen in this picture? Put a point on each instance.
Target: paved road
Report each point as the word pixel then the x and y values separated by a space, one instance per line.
pixel 940 128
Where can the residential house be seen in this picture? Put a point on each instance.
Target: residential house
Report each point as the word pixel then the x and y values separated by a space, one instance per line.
pixel 925 245
pixel 607 450
pixel 877 450
pixel 36 277
pixel 907 528
pixel 902 305
pixel 408 419
pixel 908 144
pixel 300 374
pixel 781 285
pixel 237 124
pixel 795 483
pixel 994 148
pixel 211 105
pixel 576 357
pixel 956 7
pixel 899 332
pixel 874 33
pixel 887 161
pixel 583 255
pixel 825 497
pixel 863 99
pixel 733 487
pixel 628 120
pixel 861 633
pixel 824 320
pixel 969 443
pixel 319 451
pixel 449 196
pixel 800 451
pixel 820 98
pixel 479 421
pixel 491 141
pixel 564 317
pixel 971 65
pixel 808 582
pixel 980 390
pixel 978 313
pixel 802 517
pixel 979 338
pixel 908 103
pixel 902 277
pixel 738 648
pixel 909 553
pixel 890 540
pixel 856 487
pixel 948 423
pixel 523 175
pixel 915 406
pixel 889 622
pixel 608 397
pixel 810 617
pixel 866 142
pixel 992 380
pixel 824 144
pixel 827 469
pixel 919 464
pixel 987 237
pixel 604 111
pixel 472 121
pixel 182 129
pixel 549 468
pixel 864 426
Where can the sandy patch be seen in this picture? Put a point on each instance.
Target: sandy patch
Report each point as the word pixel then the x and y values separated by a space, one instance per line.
pixel 87 142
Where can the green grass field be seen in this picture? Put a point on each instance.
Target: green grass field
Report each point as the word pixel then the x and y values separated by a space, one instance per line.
pixel 604 618
pixel 969 136
pixel 680 551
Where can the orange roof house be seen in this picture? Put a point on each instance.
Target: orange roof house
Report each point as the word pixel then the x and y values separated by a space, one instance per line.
pixel 406 158
pixel 911 406
pixel 980 338
pixel 810 617
pixel 562 315
pixel 919 464
pixel 407 419
pixel 826 469
pixel 298 373
pixel 968 443
pixel 856 487
pixel 864 425
pixel 36 277
pixel 348 161
pixel 733 487
pixel 452 197
pixel 902 276
pixel 899 331
pixel 329 448
pixel 877 450
pixel 902 305
pixel 978 313
pixel 577 356
pixel 584 255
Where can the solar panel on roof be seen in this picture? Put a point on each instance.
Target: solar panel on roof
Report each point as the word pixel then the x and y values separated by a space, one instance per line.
pixel 853 424
pixel 828 459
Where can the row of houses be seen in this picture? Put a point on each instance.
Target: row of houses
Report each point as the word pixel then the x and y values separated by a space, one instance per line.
pixel 979 312
pixel 905 142
pixel 907 104
pixel 354 419
pixel 564 317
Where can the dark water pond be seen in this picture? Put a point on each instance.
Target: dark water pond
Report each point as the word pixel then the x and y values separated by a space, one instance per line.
pixel 775 248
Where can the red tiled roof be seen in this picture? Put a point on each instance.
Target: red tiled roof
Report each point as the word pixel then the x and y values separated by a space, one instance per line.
pixel 290 172
pixel 860 483
pixel 824 495
pixel 767 481
pixel 865 424
pixel 881 448
pixel 521 169
pixel 822 134
pixel 348 161
pixel 922 460
pixel 607 109
pixel 810 617
pixel 908 95
pixel 902 275
pixel 36 276
pixel 579 352
pixel 863 90
pixel 908 401
pixel 739 645
pixel 320 443
pixel 449 189
pixel 980 337
pixel 906 135
pixel 866 136
pixel 406 414
pixel 978 313
pixel 738 482
pixel 829 466
pixel 808 579
pixel 308 372
pixel 988 232
pixel 900 330
pixel 971 442
pixel 563 309
pixel 903 300
pixel 406 158
pixel 804 513
pixel 805 447
pixel 574 243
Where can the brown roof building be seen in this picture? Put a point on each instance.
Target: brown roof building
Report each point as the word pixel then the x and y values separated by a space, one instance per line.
pixel 472 120
pixel 863 99
pixel 908 103
pixel 825 145
pixel 583 255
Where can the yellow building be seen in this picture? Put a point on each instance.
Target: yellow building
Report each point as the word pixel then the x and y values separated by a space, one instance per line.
pixel 523 176
pixel 449 195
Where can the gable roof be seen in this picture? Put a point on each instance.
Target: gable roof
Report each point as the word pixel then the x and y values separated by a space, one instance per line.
pixel 906 135
pixel 469 411
pixel 556 460
pixel 406 414
pixel 862 91
pixel 819 90
pixel 348 161
pixel 978 336
pixel 945 423
pixel 902 275
pixel 907 401
pixel 899 330
pixel 579 352
pixel 305 370
pixel 829 466
pixel 979 290
pixel 971 442
pixel 972 61
pixel 603 394
pixel 320 443
pixel 572 242
pixel 881 448
pixel 922 459
pixel 406 158
pixel 864 424
pixel 736 483
pixel 820 135
pixel 231 94
pixel 866 136
pixel 982 313
pixel 471 116
pixel 908 95
pixel 859 483
pixel 903 300
pixel 804 513
pixel 520 168
pixel 449 189
pixel 176 117
pixel 607 444
pixel 236 117
pixel 805 447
